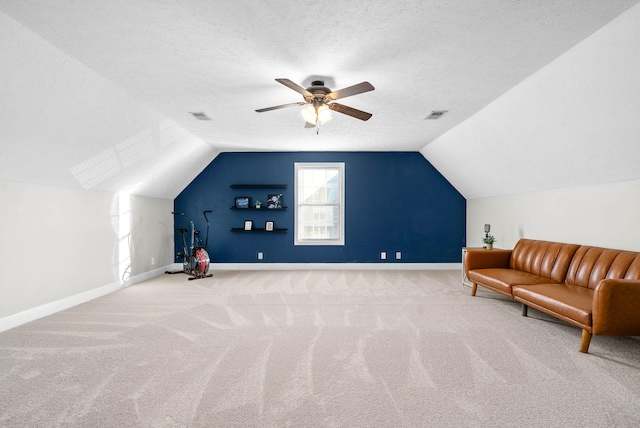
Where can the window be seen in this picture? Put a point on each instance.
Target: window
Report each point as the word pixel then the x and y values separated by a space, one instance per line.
pixel 319 203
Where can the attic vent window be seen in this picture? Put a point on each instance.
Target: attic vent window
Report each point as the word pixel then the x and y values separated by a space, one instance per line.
pixel 436 114
pixel 200 115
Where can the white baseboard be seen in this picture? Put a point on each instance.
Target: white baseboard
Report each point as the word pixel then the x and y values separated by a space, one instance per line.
pixel 332 266
pixel 150 274
pixel 47 309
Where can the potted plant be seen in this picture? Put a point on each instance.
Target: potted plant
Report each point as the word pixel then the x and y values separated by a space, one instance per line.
pixel 258 204
pixel 488 241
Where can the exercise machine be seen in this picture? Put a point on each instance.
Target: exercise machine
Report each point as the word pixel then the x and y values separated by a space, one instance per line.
pixel 195 259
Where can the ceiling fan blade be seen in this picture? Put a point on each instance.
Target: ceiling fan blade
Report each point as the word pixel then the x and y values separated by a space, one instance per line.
pixel 280 106
pixel 350 111
pixel 288 83
pixel 351 90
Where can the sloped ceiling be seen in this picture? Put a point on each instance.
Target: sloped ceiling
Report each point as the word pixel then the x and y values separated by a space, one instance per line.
pixel 573 123
pixel 97 95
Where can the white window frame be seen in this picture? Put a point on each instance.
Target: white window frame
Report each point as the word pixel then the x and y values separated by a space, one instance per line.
pixel 340 167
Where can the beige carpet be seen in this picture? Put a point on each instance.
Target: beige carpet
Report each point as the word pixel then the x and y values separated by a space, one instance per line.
pixel 312 349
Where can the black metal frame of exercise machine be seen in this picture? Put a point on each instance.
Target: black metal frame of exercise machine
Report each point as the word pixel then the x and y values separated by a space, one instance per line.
pixel 195 260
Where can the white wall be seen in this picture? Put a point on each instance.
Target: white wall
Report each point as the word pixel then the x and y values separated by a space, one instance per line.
pixel 152 234
pixel 55 243
pixel 58 243
pixel 605 215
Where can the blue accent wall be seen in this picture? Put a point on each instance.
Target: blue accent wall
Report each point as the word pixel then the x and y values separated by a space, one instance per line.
pixel 395 201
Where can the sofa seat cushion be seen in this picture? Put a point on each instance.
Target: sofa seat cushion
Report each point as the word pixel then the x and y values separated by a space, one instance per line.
pixel 568 302
pixel 502 280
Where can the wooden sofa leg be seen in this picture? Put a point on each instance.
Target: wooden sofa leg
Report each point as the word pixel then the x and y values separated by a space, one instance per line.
pixel 474 288
pixel 525 310
pixel 586 340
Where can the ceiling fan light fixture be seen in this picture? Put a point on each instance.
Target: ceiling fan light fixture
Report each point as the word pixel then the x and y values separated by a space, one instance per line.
pixel 322 115
pixel 309 114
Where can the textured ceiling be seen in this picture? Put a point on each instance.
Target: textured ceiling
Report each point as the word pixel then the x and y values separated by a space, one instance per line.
pixel 122 76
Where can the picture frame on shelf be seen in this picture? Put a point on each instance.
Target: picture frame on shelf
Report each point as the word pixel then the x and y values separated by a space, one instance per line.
pixel 268 226
pixel 274 201
pixel 242 202
pixel 248 225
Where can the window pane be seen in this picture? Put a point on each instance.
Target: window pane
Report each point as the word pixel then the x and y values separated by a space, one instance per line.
pixel 318 186
pixel 319 204
pixel 319 222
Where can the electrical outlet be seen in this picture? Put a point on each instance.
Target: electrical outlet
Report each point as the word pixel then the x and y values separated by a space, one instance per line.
pixel 383 255
pixel 260 255
pixel 398 255
pixel 153 261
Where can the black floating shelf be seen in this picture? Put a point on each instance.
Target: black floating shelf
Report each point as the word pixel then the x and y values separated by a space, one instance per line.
pixel 258 186
pixel 259 209
pixel 240 229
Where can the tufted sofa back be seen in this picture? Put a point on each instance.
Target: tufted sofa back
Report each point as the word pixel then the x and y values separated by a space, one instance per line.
pixel 548 259
pixel 592 264
pixel 544 258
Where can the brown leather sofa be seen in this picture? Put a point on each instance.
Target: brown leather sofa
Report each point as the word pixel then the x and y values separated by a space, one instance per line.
pixel 595 289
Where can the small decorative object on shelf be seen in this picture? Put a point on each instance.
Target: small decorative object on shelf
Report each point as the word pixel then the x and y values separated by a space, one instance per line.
pixel 259 230
pixel 488 241
pixel 268 226
pixel 275 201
pixel 248 224
pixel 247 202
pixel 242 202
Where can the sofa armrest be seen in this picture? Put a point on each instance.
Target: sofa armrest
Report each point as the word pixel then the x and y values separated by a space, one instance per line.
pixel 483 259
pixel 616 307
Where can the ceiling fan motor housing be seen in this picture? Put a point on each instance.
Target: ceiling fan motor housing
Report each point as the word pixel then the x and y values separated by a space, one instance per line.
pixel 317 83
pixel 319 92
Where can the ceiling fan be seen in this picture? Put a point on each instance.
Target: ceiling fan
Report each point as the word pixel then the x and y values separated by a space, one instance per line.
pixel 320 98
